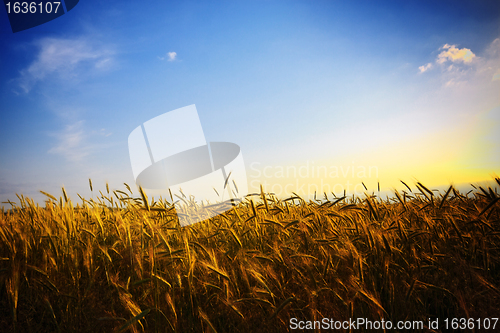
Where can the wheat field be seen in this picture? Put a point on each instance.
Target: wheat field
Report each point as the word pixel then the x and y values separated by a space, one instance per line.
pixel 118 263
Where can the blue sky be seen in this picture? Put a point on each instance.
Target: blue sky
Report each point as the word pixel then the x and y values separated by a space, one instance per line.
pixel 411 88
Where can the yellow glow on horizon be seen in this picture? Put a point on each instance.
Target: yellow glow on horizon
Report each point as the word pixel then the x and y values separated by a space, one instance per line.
pixel 467 153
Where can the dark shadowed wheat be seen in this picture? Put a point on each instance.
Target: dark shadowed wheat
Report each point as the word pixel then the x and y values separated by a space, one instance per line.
pixel 122 263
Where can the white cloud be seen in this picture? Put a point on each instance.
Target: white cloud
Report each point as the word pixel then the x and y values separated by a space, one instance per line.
pixel 63 57
pixel 425 67
pixel 462 67
pixel 170 56
pixel 453 54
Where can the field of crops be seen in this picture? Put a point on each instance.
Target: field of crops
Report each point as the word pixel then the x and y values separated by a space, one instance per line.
pixel 120 263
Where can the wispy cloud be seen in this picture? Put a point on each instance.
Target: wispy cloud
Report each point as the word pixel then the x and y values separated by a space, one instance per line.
pixel 453 54
pixel 487 67
pixel 70 142
pixel 492 63
pixel 425 67
pixel 74 142
pixel 170 56
pixel 496 76
pixel 64 58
